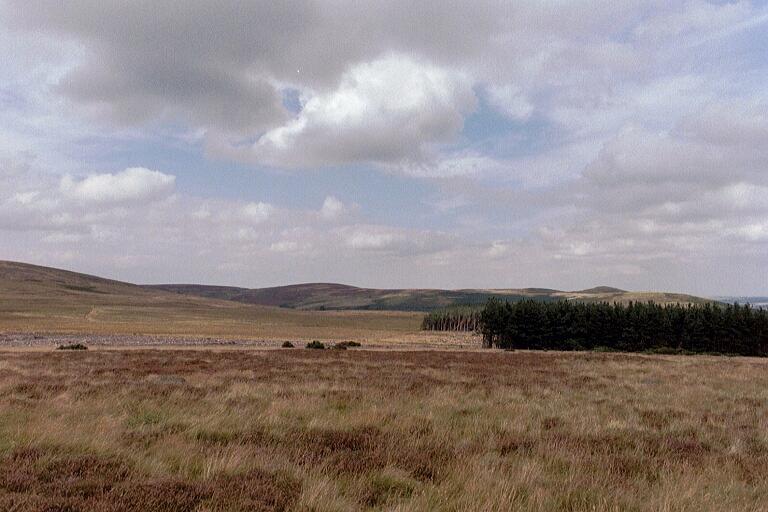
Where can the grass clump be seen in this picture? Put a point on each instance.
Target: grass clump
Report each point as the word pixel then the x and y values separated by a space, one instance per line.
pixel 318 345
pixel 287 344
pixel 388 487
pixel 72 346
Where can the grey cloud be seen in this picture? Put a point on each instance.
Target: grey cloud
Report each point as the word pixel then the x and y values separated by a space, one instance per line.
pixel 221 67
pixel 218 65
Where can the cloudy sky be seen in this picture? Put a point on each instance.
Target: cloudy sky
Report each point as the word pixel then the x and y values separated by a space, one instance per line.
pixel 389 143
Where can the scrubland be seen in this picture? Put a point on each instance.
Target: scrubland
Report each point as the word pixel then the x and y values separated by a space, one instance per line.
pixel 332 430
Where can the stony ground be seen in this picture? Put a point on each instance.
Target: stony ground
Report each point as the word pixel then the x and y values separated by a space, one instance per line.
pixel 121 340
pixel 47 340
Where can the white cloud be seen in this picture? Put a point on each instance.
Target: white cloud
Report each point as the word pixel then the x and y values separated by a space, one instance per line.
pixel 133 185
pixel 754 232
pixel 402 242
pixel 370 237
pixel 390 110
pixel 332 208
pixel 510 101
pixel 285 246
pixel 258 212
pixel 454 165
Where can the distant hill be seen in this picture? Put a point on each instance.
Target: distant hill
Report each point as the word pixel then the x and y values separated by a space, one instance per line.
pixel 759 301
pixel 34 297
pixel 48 300
pixel 328 296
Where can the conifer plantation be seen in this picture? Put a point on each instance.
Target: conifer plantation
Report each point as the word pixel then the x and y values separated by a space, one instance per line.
pixel 634 327
pixel 708 328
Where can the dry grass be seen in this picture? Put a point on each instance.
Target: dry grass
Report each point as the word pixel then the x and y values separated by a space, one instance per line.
pixel 199 317
pixel 201 430
pixel 45 300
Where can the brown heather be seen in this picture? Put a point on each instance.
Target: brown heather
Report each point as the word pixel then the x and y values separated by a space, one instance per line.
pixel 310 430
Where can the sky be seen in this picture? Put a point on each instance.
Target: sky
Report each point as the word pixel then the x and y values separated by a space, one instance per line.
pixel 393 143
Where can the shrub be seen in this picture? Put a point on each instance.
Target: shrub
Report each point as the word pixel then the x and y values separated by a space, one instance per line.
pixel 72 346
pixel 348 344
pixel 316 345
pixel 340 346
pixel 287 344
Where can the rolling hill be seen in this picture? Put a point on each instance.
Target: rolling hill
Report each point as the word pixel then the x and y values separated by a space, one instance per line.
pixel 328 296
pixel 48 300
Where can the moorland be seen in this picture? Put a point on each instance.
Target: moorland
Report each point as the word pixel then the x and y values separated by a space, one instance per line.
pixel 297 429
pixel 207 419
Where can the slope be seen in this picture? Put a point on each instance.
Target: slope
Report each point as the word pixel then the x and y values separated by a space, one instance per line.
pixel 42 299
pixel 319 296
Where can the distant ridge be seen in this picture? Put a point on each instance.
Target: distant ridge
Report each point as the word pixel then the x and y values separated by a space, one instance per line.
pixel 602 289
pixel 21 280
pixel 330 296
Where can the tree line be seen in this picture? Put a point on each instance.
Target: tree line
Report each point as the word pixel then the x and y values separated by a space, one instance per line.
pixel 634 327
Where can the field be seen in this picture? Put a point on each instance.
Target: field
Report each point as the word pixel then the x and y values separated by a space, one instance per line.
pixel 221 321
pixel 296 429
pixel 43 300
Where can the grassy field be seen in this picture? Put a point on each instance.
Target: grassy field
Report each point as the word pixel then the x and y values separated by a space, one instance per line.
pixel 45 300
pixel 188 318
pixel 201 430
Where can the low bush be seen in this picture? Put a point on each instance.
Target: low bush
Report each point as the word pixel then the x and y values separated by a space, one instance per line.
pixel 72 346
pixel 316 345
pixel 287 344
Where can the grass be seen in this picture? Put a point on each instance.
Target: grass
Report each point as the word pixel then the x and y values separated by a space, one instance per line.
pixel 332 430
pixel 45 300
pixel 187 317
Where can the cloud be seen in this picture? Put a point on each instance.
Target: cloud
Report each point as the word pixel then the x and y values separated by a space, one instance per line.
pixel 458 164
pixel 757 231
pixel 332 208
pixel 393 240
pixel 258 212
pixel 133 185
pixel 14 165
pixel 390 110
pixel 225 69
pixel 625 138
pixel 683 196
pixel 510 101
pixel 692 19
pixel 371 238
